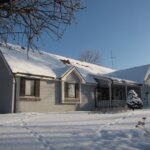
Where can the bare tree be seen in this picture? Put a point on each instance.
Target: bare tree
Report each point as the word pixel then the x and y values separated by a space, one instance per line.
pixel 90 56
pixel 30 18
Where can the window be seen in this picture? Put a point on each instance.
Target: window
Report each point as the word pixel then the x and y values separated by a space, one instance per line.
pixel 29 87
pixel 72 90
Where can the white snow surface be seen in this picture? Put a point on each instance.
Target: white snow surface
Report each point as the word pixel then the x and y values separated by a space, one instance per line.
pixel 47 64
pixel 137 74
pixel 74 131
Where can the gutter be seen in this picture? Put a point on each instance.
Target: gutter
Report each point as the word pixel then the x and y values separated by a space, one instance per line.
pixel 33 75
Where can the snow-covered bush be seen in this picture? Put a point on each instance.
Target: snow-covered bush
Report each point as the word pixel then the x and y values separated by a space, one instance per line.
pixel 133 101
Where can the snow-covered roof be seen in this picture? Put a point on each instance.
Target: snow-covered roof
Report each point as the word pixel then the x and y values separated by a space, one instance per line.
pixel 50 65
pixel 137 74
pixel 114 79
pixel 47 64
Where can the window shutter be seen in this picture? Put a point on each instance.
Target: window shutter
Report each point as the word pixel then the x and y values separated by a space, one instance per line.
pixel 66 90
pixel 77 90
pixel 22 86
pixel 37 88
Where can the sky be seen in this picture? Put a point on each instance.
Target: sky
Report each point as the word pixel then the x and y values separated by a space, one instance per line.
pixel 120 26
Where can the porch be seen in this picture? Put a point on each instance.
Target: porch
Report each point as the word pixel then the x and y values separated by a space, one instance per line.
pixel 112 103
pixel 113 93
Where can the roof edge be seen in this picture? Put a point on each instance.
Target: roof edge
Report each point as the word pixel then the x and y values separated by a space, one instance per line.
pixel 71 69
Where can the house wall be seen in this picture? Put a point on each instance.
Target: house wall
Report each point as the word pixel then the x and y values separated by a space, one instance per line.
pixel 87 97
pixel 145 92
pixel 148 80
pixel 51 101
pixel 6 87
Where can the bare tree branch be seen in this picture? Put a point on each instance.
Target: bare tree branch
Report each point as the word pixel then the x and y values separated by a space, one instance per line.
pixel 30 18
pixel 90 56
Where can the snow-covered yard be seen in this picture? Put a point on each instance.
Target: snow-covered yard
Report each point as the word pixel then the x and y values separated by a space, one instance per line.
pixel 74 131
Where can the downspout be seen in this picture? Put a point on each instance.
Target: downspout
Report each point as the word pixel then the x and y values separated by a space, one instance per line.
pixel 13 107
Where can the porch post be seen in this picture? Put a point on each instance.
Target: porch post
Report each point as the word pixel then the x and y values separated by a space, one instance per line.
pixel 62 92
pixel 110 94
pixel 126 91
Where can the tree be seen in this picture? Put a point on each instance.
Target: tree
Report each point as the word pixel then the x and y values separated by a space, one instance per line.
pixel 133 101
pixel 90 56
pixel 30 18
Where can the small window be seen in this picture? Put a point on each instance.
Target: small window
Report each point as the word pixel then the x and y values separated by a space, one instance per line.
pixel 29 87
pixel 72 90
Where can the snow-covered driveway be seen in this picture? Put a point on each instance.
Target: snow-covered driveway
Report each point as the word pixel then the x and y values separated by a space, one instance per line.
pixel 74 131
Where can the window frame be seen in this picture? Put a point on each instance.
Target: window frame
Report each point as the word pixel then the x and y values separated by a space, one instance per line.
pixel 71 90
pixel 69 99
pixel 32 92
pixel 36 88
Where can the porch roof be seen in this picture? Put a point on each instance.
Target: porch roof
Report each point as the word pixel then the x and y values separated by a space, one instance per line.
pixel 116 80
pixel 136 74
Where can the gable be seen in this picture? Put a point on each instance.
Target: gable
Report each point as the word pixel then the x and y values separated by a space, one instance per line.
pixel 72 77
pixel 148 80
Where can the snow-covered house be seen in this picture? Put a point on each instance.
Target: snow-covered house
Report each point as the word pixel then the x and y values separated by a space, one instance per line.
pixel 46 82
pixel 140 75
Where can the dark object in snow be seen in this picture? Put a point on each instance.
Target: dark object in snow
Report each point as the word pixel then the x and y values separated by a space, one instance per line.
pixel 133 101
pixel 65 61
pixel 141 124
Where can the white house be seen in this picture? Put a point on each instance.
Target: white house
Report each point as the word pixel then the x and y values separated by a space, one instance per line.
pixel 46 82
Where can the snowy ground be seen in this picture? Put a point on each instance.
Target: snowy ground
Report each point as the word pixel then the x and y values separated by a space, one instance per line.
pixel 74 131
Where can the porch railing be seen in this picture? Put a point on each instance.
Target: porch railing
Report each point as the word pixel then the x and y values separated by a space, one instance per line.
pixel 112 103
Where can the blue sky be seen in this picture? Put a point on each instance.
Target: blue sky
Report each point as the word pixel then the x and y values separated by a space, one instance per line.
pixel 120 26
